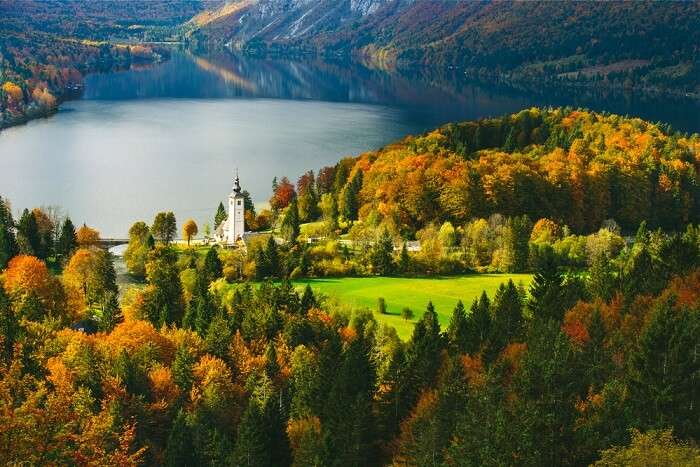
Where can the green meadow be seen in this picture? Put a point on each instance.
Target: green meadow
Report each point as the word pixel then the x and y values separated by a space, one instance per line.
pixel 414 293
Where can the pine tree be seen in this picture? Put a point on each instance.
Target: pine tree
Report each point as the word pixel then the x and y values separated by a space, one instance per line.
pixel 308 300
pixel 290 222
pixel 351 202
pixel 262 265
pixel 601 282
pixel 8 242
pixel 478 324
pixel 67 240
pixel 252 447
pixel 9 328
pixel 182 369
pixel 382 254
pixel 218 336
pixel 272 258
pixel 28 234
pixel 458 330
pixel 110 313
pixel 213 269
pixel 404 260
pixel 220 215
pixel 179 451
pixel 547 299
pixel 507 320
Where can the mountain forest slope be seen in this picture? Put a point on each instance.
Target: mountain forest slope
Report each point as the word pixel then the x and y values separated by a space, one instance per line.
pixel 652 44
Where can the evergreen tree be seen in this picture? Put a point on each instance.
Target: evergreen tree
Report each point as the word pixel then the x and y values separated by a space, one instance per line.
pixel 517 241
pixel 272 258
pixel 458 330
pixel 163 296
pixel 28 234
pixel 601 282
pixel 182 369
pixel 179 451
pixel 382 254
pixel 252 447
pixel 67 240
pixel 506 321
pixel 351 202
pixel 218 336
pixel 8 242
pixel 664 389
pixel 213 269
pixel 308 300
pixel 110 313
pixel 262 264
pixel 478 326
pixel 220 215
pixel 404 260
pixel 547 295
pixel 290 222
pixel 9 328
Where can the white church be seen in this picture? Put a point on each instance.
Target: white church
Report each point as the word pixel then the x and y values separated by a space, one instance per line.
pixel 232 229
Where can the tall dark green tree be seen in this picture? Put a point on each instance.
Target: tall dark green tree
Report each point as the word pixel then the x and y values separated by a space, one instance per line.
pixel 382 254
pixel 252 447
pixel 458 330
pixel 8 242
pixel 664 389
pixel 67 240
pixel 547 294
pixel 290 222
pixel 272 258
pixel 478 324
pixel 213 268
pixel 220 215
pixel 351 201
pixel 9 328
pixel 517 242
pixel 28 234
pixel 182 368
pixel 507 322
pixel 179 451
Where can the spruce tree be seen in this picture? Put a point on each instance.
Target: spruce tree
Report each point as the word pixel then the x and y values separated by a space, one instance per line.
pixel 382 254
pixel 220 215
pixel 179 450
pixel 67 240
pixel 213 269
pixel 308 300
pixel 404 260
pixel 458 330
pixel 182 369
pixel 8 242
pixel 547 300
pixel 252 447
pixel 110 313
pixel 272 258
pixel 478 324
pixel 28 234
pixel 290 222
pixel 507 322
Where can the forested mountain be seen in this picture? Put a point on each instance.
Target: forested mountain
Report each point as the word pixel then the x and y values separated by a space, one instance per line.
pixel 47 46
pixel 623 43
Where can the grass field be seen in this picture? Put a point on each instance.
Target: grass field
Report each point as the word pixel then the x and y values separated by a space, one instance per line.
pixel 398 292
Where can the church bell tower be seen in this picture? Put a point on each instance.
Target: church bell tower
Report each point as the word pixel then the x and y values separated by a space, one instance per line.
pixel 236 213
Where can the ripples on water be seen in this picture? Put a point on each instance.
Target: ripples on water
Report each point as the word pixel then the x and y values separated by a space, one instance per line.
pixel 169 137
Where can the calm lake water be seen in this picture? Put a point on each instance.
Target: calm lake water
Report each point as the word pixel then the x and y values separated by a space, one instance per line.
pixel 170 137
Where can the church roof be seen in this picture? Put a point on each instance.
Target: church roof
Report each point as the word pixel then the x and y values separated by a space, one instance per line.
pixel 237 188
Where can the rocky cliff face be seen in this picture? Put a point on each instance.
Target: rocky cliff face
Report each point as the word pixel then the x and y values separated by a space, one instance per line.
pixel 241 21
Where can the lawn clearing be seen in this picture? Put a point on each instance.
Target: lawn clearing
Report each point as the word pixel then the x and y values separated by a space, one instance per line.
pixel 414 293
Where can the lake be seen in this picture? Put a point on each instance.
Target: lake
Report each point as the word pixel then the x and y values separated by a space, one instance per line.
pixel 171 136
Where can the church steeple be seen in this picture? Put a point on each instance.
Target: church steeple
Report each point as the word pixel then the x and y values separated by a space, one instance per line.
pixel 236 184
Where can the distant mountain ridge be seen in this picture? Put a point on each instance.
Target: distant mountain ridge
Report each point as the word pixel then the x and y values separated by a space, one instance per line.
pixel 652 44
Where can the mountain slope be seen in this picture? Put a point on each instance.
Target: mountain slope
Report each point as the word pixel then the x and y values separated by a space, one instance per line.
pixel 648 43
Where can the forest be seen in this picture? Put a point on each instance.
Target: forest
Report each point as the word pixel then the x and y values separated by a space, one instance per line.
pixel 46 47
pixel 215 358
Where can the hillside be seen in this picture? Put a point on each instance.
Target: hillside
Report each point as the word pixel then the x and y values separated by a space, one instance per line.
pixel 649 44
pixel 577 167
pixel 47 46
